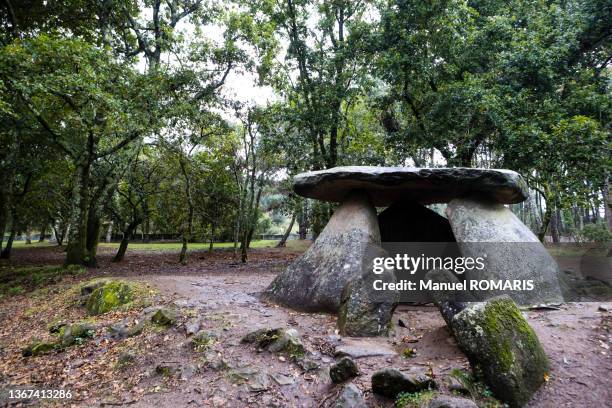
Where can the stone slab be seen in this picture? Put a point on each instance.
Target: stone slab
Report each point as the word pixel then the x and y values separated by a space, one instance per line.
pixel 358 348
pixel 386 185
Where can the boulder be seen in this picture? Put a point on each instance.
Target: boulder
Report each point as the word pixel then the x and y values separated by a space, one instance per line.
pixel 75 334
pixel 498 341
pixel 359 348
pixel 390 382
pixel 445 401
pixel 37 348
pixel 387 185
pixel 365 312
pixel 164 317
pixel 409 221
pixel 277 341
pixel 343 370
pixel 203 340
pixel 314 282
pixel 510 250
pixel 109 296
pixel 350 397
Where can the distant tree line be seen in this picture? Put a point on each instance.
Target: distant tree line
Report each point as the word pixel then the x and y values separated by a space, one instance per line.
pixel 113 115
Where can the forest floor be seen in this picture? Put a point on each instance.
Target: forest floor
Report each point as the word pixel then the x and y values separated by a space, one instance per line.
pixel 164 370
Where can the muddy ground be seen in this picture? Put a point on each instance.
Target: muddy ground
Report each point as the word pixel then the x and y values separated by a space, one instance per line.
pixel 166 371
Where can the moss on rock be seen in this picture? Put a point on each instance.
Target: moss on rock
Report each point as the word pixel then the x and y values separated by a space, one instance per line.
pixel 75 334
pixel 37 348
pixel 278 341
pixel 498 341
pixel 109 296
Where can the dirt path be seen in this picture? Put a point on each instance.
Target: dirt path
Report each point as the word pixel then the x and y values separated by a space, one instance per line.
pixel 572 337
pixel 225 296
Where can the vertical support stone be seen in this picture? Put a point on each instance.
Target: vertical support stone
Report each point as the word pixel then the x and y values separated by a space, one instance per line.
pixel 511 251
pixel 314 282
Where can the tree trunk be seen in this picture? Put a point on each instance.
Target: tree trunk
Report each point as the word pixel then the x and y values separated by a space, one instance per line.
pixel 545 222
pixel 302 220
pixel 283 241
pixel 28 234
pixel 212 237
pixel 93 238
pixel 125 241
pixel 147 230
pixel 607 201
pixel 109 232
pixel 76 253
pixel 183 255
pixel 43 232
pixel 554 226
pixel 6 252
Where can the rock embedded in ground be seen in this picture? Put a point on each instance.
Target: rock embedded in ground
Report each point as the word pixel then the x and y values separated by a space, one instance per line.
pixel 203 339
pixel 256 379
pixel 510 250
pixel 165 317
pixel 277 341
pixel 445 401
pixel 282 379
pixel 343 370
pixel 358 348
pixel 75 334
pixel 390 382
pixel 350 397
pixel 37 348
pixel 498 341
pixel 109 296
pixel 387 185
pixel 314 282
pixel 193 326
pixel 365 312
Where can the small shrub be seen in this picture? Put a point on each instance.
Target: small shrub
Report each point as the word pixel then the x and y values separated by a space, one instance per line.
pixel 21 280
pixel 594 233
pixel 15 290
pixel 414 399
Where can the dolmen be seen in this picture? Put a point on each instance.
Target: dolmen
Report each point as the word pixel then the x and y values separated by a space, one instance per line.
pixel 329 276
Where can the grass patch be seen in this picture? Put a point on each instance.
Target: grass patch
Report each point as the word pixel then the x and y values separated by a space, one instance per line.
pixel 414 399
pixel 15 281
pixel 477 390
pixel 198 246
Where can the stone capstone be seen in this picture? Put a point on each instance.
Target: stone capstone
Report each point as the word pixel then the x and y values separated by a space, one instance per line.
pixel 387 185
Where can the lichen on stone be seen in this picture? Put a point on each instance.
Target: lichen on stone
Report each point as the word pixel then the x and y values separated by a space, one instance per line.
pixel 499 342
pixel 109 296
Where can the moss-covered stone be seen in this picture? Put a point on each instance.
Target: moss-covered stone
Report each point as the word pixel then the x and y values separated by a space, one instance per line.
pixel 38 348
pixel 498 341
pixel 202 340
pixel 278 341
pixel 365 312
pixel 109 296
pixel 164 317
pixel 75 334
pixel 343 370
pixel 390 382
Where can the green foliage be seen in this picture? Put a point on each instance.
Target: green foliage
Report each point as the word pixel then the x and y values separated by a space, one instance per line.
pixel 414 399
pixel 595 233
pixel 15 281
pixel 477 390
